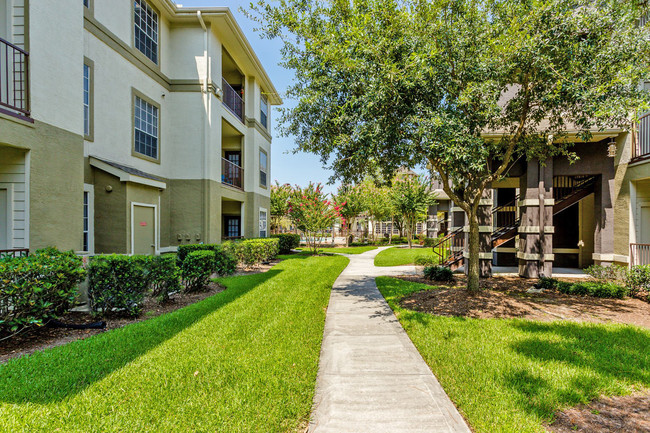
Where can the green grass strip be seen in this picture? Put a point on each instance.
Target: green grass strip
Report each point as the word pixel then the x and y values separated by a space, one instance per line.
pixel 401 256
pixel 244 360
pixel 512 375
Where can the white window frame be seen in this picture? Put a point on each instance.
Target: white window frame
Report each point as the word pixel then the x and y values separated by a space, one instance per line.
pixel 265 170
pixel 90 190
pixel 156 32
pixel 264 102
pixel 156 235
pixel 266 222
pixel 155 111
pixel 87 93
pixel 10 214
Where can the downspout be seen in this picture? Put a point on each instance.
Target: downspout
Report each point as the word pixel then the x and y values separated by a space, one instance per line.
pixel 206 133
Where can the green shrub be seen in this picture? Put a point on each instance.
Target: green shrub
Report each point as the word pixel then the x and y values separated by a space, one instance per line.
pixel 287 242
pixel 612 273
pixel 252 252
pixel 37 288
pixel 164 277
pixel 196 270
pixel 638 278
pixel 594 288
pixel 438 273
pixel 426 260
pixel 224 264
pixel 118 283
pixel 547 283
pixel 397 240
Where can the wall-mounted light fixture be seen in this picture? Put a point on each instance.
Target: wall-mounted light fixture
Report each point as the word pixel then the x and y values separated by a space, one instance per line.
pixel 611 149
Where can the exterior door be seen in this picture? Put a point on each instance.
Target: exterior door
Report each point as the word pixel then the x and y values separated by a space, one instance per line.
pixel 4 242
pixel 645 225
pixel 144 230
pixel 231 226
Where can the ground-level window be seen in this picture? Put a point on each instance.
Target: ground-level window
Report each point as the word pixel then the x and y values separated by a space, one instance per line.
pixel 88 242
pixel 263 223
pixel 145 128
pixel 232 226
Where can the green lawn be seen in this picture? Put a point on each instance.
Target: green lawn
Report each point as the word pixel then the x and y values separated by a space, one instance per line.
pixel 243 360
pixel 512 375
pixel 401 256
pixel 348 250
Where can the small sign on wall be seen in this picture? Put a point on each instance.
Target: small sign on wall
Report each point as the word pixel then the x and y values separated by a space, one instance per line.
pixel 143 223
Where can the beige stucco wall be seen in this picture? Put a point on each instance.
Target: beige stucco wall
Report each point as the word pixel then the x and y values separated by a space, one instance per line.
pixel 54 173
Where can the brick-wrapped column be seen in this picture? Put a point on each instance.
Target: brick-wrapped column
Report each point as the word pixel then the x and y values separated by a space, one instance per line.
pixel 536 230
pixel 604 218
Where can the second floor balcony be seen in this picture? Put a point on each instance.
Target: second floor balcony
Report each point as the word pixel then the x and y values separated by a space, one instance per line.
pixel 14 79
pixel 232 100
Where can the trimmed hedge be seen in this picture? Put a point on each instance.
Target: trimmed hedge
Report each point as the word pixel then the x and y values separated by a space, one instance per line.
pixel 196 270
pixel 596 289
pixel 438 273
pixel 287 242
pixel 225 262
pixel 118 283
pixel 252 252
pixel 37 288
pixel 165 277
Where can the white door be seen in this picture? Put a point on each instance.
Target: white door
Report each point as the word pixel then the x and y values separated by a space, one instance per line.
pixel 4 242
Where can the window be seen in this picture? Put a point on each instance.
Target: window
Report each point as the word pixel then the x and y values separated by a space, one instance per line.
pixel 87 100
pixel 87 3
pixel 263 168
pixel 262 223
pixel 145 128
pixel 146 29
pixel 86 238
pixel 264 111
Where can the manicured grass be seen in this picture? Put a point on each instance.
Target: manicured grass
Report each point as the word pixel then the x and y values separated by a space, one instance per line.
pixel 401 256
pixel 348 250
pixel 243 360
pixel 512 375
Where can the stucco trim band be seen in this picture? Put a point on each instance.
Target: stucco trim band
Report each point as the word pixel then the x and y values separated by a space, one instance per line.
pixel 481 256
pixel 535 229
pixel 481 229
pixel 535 202
pixel 536 257
pixel 610 257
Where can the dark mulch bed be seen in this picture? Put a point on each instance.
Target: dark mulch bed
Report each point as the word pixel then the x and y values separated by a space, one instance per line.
pixel 44 337
pixel 630 414
pixel 507 297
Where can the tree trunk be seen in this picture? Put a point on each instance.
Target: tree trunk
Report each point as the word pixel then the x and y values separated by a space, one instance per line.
pixel 473 263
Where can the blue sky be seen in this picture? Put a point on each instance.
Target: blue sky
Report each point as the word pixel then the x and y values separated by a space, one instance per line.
pixel 286 167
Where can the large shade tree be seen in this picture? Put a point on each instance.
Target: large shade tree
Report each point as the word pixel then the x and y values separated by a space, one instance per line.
pixel 385 83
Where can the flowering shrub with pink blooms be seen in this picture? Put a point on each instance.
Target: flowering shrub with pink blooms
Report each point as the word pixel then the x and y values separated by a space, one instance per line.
pixel 312 212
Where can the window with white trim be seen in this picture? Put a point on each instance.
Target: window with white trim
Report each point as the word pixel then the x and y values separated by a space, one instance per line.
pixel 145 128
pixel 263 168
pixel 86 99
pixel 145 29
pixel 264 112
pixel 87 3
pixel 263 219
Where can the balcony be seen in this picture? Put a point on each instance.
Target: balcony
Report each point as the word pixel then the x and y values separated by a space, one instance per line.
pixel 642 148
pixel 14 79
pixel 232 174
pixel 232 100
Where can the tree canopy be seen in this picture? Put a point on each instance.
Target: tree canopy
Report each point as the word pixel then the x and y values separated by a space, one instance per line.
pixel 466 86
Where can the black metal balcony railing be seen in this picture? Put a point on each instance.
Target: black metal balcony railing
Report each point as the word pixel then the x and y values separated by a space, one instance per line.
pixel 642 148
pixel 14 78
pixel 233 100
pixel 232 174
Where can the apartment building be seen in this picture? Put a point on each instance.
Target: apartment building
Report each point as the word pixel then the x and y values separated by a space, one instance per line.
pixel 556 214
pixel 130 126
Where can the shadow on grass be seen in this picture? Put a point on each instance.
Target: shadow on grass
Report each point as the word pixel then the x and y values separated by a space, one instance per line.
pixel 598 358
pixel 58 373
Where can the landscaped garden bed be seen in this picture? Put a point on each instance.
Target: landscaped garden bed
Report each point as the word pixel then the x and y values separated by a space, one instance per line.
pixel 515 375
pixel 508 297
pixel 244 359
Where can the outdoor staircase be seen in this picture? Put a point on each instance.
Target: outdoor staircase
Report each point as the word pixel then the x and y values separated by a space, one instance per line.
pixel 567 191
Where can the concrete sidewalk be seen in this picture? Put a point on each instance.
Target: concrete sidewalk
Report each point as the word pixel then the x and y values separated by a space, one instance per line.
pixel 371 377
